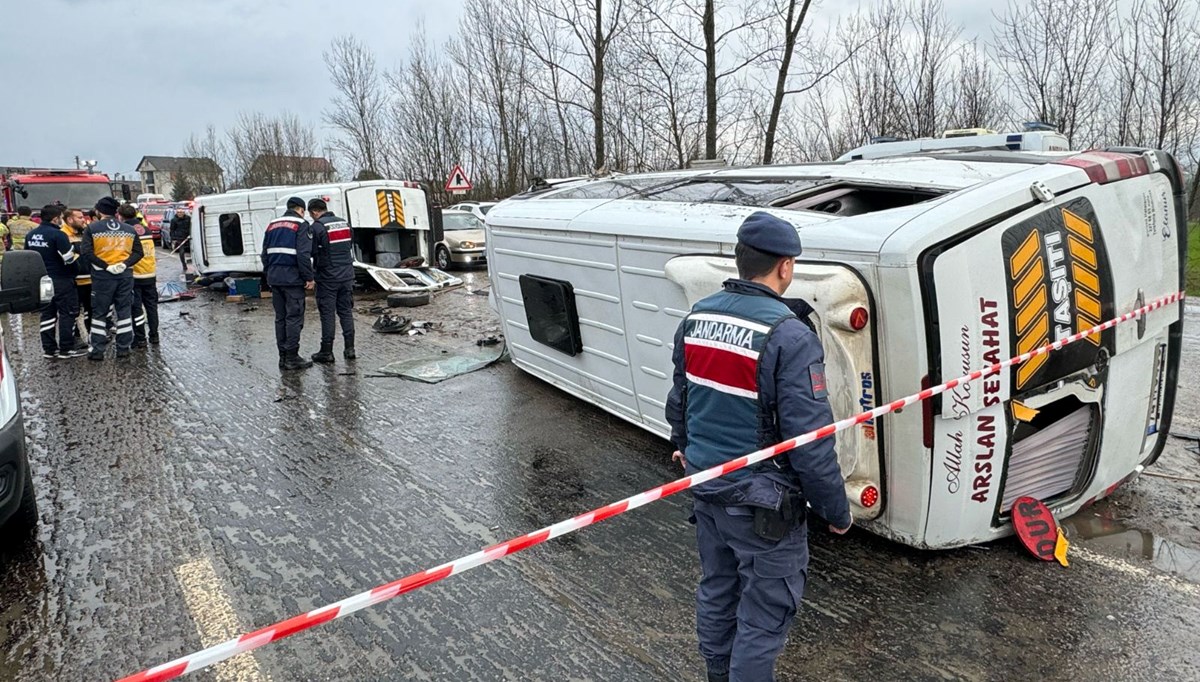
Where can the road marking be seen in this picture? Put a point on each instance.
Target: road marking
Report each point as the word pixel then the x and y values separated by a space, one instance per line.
pixel 215 619
pixel 1121 566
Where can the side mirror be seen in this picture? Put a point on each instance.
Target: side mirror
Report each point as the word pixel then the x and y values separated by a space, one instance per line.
pixel 125 191
pixel 21 282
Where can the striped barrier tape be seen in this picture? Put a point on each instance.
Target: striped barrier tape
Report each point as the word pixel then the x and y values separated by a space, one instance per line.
pixel 271 633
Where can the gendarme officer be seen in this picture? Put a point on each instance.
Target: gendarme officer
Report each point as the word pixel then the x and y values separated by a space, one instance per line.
pixel 287 258
pixel 750 373
pixel 333 261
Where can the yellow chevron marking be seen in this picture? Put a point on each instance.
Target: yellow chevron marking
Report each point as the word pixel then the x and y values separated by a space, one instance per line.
pixel 1082 252
pixel 1027 370
pixel 1027 314
pixel 1086 279
pixel 1039 335
pixel 1031 281
pixel 1025 254
pixel 1087 305
pixel 1078 225
pixel 381 199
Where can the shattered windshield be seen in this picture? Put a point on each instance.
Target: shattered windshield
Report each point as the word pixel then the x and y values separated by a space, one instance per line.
pixel 730 190
pixel 610 189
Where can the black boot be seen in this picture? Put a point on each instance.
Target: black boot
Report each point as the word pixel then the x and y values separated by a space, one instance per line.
pixel 718 677
pixel 349 353
pixel 139 342
pixel 293 361
pixel 325 355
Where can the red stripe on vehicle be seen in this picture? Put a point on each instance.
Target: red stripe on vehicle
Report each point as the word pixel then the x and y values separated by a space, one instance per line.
pixel 721 366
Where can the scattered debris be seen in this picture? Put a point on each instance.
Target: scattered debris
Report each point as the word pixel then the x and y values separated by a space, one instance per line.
pixel 236 298
pixel 184 313
pixel 174 291
pixel 491 340
pixel 481 292
pixel 249 309
pixel 409 300
pixel 388 323
pixel 433 369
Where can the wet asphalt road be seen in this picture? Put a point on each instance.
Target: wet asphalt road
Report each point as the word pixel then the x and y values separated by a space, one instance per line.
pixel 191 493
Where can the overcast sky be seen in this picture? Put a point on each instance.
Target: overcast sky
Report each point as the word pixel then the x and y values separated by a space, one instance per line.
pixel 137 77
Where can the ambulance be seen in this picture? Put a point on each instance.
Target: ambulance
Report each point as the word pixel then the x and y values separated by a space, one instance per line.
pixel 921 267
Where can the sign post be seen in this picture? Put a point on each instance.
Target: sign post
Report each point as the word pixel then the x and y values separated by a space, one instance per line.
pixel 458 182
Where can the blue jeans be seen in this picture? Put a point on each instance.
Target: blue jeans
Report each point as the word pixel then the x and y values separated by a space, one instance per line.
pixel 749 591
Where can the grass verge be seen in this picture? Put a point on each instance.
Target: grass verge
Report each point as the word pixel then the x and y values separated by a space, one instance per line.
pixel 1193 264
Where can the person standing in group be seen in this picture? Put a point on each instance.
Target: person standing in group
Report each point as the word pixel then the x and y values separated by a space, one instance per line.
pixel 333 263
pixel 19 227
pixel 73 226
pixel 112 248
pixel 59 255
pixel 287 257
pixel 180 232
pixel 145 282
pixel 750 373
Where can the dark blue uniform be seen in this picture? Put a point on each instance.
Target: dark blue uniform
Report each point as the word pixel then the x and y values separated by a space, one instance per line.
pixel 109 242
pixel 748 374
pixel 57 252
pixel 287 258
pixel 333 261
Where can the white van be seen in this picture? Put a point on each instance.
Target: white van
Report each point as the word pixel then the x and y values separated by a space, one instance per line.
pixel 920 269
pixel 963 140
pixel 393 225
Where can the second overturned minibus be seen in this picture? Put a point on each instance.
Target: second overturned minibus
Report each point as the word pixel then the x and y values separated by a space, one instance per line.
pixel 920 269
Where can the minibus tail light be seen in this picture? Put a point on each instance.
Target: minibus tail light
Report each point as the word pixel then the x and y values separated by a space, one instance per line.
pixel 859 318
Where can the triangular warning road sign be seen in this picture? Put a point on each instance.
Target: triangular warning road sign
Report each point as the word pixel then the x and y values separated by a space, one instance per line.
pixel 458 180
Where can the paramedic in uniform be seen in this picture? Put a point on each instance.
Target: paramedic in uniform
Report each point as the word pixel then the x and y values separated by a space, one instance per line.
pixel 333 262
pixel 112 248
pixel 145 281
pixel 749 374
pixel 73 226
pixel 59 315
pixel 287 257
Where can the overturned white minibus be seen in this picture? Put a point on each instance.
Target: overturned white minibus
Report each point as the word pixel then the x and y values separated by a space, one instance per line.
pixel 394 227
pixel 920 269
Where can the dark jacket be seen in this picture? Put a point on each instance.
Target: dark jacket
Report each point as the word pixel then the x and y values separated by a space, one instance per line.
pixel 108 242
pixel 787 404
pixel 180 227
pixel 287 251
pixel 55 248
pixel 333 250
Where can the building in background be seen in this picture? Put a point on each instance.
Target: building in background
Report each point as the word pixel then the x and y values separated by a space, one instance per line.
pixel 180 178
pixel 278 169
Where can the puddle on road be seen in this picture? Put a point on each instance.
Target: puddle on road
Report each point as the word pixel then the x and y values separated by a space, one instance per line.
pixel 1115 538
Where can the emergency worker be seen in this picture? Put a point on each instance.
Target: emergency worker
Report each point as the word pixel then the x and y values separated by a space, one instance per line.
pixel 749 374
pixel 287 257
pixel 49 241
pixel 20 226
pixel 180 232
pixel 333 263
pixel 112 248
pixel 73 226
pixel 145 282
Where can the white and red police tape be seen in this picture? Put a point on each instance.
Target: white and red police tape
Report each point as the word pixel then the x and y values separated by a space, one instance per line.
pixel 271 633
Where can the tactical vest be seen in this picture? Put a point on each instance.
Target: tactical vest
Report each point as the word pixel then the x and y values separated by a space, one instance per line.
pixel 147 267
pixel 724 337
pixel 279 242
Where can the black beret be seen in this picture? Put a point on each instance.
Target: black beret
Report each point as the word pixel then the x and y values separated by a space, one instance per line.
pixel 107 206
pixel 295 202
pixel 764 232
pixel 317 204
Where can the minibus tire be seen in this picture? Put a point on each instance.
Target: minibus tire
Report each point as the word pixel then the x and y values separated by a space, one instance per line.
pixel 409 300
pixel 24 521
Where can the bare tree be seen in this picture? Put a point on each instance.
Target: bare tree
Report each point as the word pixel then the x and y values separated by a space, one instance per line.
pixel 357 109
pixel 278 150
pixel 974 97
pixel 716 38
pixel 1056 55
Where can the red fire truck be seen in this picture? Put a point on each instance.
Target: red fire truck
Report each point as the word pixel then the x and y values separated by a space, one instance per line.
pixel 37 187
